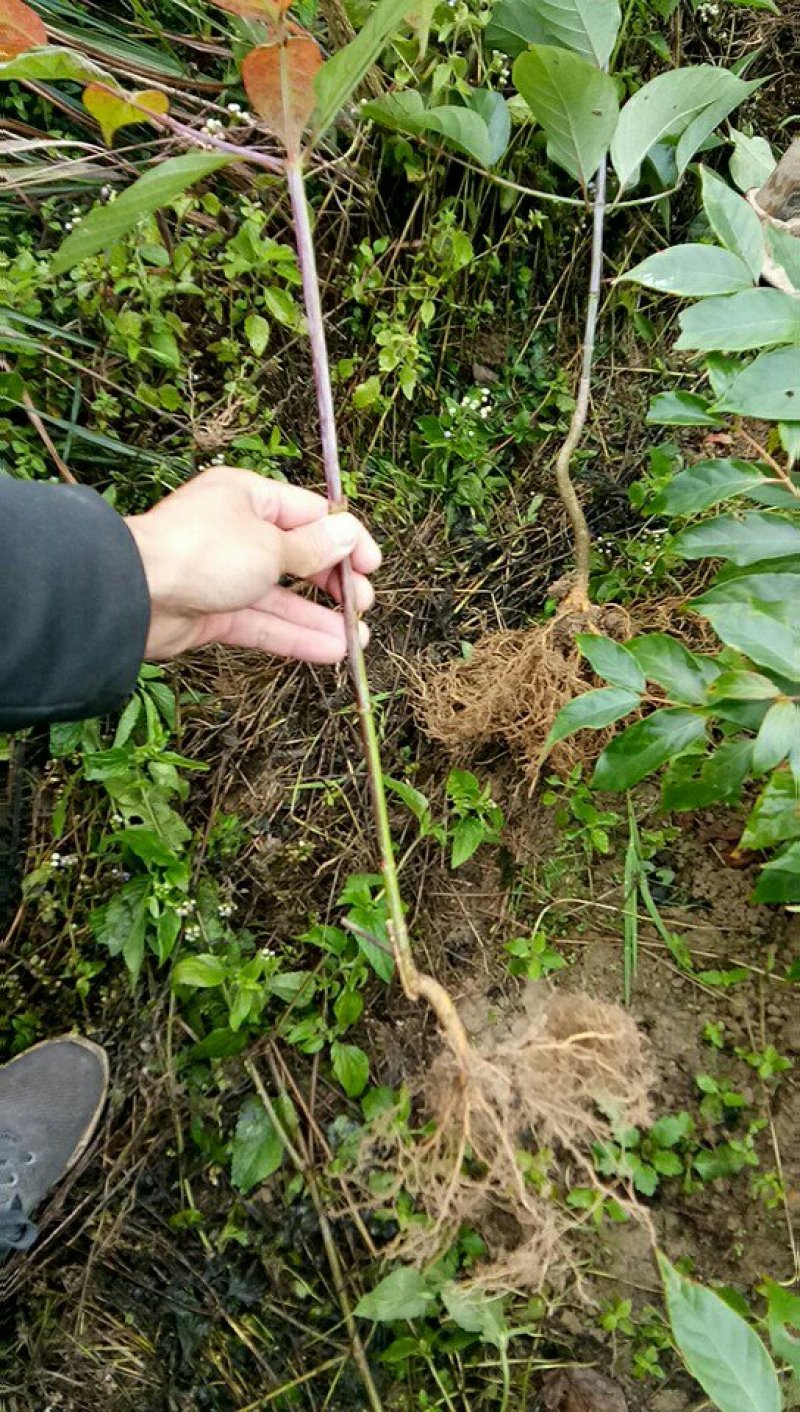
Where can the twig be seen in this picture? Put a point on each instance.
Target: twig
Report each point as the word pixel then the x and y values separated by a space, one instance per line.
pixel 331 1251
pixel 578 597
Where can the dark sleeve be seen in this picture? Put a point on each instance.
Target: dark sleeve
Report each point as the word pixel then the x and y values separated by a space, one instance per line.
pixel 74 605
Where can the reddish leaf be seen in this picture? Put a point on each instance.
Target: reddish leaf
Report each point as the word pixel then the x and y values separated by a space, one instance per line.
pixel 115 110
pixel 279 79
pixel 20 29
pixel 256 9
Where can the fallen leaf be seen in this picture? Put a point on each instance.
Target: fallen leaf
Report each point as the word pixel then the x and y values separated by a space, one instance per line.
pixel 20 29
pixel 582 1390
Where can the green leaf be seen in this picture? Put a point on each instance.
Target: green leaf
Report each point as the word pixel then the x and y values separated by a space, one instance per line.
pixel 751 161
pixel 742 686
pixel 746 540
pixel 666 108
pixel 784 248
pixel 780 879
pixel 587 27
pixel 256 329
pixel 575 103
pixel 757 615
pixel 513 26
pixel 612 661
pixel 592 711
pixel 783 1319
pixel 200 972
pixel 720 779
pixel 468 835
pixel 645 746
pixel 754 318
pixel 51 63
pixel 115 110
pixel 734 221
pixel 666 661
pixel 721 1351
pixel 406 112
pixel 767 388
pixel 339 78
pixel 778 737
pixel 672 1129
pixel 706 484
pixel 692 271
pixel 104 225
pixel 403 1294
pixel 476 1313
pixel 680 409
pixel 775 816
pixel 351 1067
pixel 493 109
pixel 257 1149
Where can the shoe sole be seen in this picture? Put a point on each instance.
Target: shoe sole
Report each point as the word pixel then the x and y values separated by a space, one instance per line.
pixel 100 1054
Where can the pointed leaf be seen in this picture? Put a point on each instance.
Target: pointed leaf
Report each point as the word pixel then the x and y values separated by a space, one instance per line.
pixel 493 109
pixel 406 112
pixel 743 541
pixel 351 1067
pixel 680 409
pixel 775 816
pixel 575 103
pixel 769 387
pixel 513 26
pixel 664 108
pixel 719 1348
pixel 201 972
pixel 780 878
pixel 784 248
pixel 778 737
pixel 403 1294
pixel 734 221
pixel 339 78
pixel 752 160
pixel 692 270
pixel 591 711
pixel 104 225
pixel 257 1149
pixel 754 318
pixel 54 63
pixel 587 27
pixel 279 81
pixel 116 110
pixel 706 484
pixel 700 129
pixel 20 28
pixel 645 746
pixel 757 615
pixel 612 661
pixel 666 661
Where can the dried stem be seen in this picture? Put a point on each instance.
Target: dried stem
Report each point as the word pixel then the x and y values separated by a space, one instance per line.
pixel 416 985
pixel 578 598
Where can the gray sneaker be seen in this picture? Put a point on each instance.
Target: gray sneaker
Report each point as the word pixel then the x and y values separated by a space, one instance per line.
pixel 51 1098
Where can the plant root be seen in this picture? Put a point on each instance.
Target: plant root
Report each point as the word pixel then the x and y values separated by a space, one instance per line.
pixel 513 686
pixel 561 1076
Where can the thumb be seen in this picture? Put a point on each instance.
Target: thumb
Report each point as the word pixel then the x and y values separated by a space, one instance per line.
pixel 315 547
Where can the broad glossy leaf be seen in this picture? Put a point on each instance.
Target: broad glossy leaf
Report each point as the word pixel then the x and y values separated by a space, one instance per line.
pixel 104 225
pixel 493 109
pixel 575 103
pixel 757 614
pixel 778 738
pixel 680 409
pixel 404 1294
pixel 351 1067
pixel 752 160
pixel 785 250
pixel 780 878
pixel 701 128
pixel 665 108
pixel 612 661
pixel 587 27
pixel 775 816
pixel 20 28
pixel 279 81
pixel 341 75
pixel 513 26
pixel 666 661
pixel 692 271
pixel 748 540
pixel 406 112
pixel 116 110
pixel 200 972
pixel 257 1149
pixel 708 483
pixel 754 318
pixel 647 745
pixel 734 221
pixel 742 686
pixel 54 63
pixel 769 387
pixel 592 711
pixel 721 1351
pixel 719 780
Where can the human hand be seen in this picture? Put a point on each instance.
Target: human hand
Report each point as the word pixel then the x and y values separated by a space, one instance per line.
pixel 215 550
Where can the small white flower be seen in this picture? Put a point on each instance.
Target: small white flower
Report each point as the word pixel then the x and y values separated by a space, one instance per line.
pixel 485 412
pixel 68 225
pixel 447 435
pixel 234 107
pixel 266 952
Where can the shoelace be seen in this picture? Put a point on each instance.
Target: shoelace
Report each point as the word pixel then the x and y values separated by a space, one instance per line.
pixel 16 1231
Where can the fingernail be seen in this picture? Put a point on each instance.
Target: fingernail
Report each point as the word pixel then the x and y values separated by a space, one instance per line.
pixel 363 634
pixel 342 530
